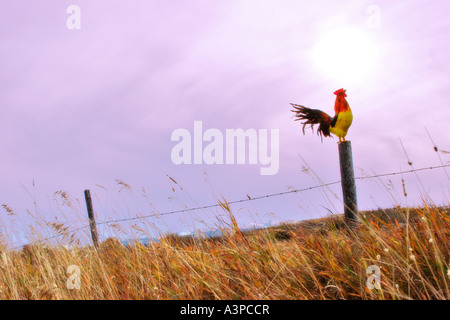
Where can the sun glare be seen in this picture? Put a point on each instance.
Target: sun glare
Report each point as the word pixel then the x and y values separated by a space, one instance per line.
pixel 347 55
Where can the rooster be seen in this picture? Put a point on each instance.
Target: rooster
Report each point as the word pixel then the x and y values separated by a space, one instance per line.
pixel 337 125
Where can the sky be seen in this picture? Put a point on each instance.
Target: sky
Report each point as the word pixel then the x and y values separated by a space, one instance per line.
pixel 91 93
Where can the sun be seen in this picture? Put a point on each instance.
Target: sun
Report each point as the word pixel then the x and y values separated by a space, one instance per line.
pixel 347 55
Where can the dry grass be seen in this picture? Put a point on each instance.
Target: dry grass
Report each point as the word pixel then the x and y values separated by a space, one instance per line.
pixel 313 260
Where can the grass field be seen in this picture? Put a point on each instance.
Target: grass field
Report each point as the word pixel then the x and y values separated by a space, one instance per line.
pixel 316 259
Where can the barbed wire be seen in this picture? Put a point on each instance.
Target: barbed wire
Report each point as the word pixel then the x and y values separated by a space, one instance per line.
pixel 247 199
pixel 271 195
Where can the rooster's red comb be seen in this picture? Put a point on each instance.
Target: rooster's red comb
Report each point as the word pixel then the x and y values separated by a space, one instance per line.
pixel 340 91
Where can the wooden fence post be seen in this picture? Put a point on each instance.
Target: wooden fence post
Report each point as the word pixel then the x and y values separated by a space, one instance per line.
pixel 348 183
pixel 90 210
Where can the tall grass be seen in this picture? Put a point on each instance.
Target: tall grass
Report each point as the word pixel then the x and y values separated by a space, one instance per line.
pixel 321 259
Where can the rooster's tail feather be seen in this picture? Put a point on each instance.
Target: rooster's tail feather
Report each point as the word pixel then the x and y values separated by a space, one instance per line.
pixel 312 117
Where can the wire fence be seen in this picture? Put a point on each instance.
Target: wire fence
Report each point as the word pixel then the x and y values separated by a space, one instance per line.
pixel 248 199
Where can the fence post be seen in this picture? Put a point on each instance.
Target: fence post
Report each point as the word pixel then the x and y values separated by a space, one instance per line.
pixel 348 183
pixel 90 210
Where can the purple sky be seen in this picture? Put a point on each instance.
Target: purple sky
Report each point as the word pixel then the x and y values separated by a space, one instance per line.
pixel 82 108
